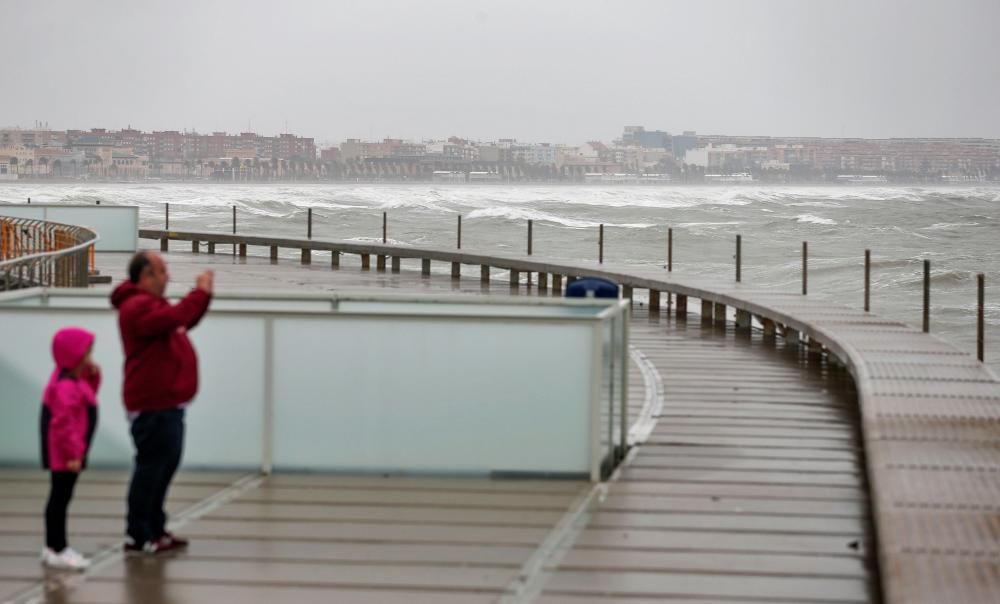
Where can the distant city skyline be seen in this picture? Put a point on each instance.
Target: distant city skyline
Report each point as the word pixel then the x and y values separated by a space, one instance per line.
pixel 552 71
pixel 649 155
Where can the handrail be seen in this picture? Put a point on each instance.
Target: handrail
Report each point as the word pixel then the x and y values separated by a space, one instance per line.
pixel 44 253
pixel 910 384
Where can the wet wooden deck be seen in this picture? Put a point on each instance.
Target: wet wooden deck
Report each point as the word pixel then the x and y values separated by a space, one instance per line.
pixel 748 487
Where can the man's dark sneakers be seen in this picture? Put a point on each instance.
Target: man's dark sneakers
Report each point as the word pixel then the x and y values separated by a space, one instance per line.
pixel 174 541
pixel 165 543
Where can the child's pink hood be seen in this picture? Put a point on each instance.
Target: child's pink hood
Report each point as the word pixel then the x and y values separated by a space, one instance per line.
pixel 70 345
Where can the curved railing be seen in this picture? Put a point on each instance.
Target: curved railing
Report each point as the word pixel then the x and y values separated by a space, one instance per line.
pixel 43 253
pixel 930 414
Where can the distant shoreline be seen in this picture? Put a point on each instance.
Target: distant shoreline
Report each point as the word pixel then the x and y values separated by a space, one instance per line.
pixel 516 183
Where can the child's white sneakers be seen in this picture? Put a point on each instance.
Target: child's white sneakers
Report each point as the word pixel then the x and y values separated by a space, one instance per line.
pixel 68 559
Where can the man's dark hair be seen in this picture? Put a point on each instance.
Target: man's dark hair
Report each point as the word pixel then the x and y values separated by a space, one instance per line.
pixel 136 265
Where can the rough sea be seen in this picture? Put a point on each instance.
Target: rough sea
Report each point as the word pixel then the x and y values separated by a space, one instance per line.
pixel 957 229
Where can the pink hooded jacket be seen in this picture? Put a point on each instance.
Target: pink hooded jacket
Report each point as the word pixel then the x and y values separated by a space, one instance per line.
pixel 69 405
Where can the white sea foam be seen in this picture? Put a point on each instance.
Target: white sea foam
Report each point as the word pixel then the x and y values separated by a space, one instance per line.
pixel 809 218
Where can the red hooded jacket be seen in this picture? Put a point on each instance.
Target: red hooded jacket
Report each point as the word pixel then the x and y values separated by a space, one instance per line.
pixel 161 369
pixel 69 404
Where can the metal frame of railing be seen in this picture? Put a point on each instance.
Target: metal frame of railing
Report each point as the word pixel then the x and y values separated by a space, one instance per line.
pixel 608 390
pixel 43 253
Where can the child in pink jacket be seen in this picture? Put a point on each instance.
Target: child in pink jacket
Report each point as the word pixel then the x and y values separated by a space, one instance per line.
pixel 69 417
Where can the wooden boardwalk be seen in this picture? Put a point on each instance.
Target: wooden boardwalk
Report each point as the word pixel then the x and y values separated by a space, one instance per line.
pixel 747 486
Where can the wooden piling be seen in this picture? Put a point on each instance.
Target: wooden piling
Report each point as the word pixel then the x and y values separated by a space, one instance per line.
pixel 706 311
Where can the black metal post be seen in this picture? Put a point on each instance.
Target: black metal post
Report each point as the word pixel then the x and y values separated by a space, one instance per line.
pixel 980 326
pixel 670 250
pixel 868 279
pixel 459 231
pixel 927 296
pixel 309 225
pixel 529 237
pixel 805 268
pixel 385 227
pixel 600 245
pixel 166 217
pixel 739 258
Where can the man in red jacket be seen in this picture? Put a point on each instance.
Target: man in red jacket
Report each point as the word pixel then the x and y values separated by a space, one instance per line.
pixel 161 378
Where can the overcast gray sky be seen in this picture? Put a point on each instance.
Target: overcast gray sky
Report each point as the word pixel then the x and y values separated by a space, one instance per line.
pixel 561 71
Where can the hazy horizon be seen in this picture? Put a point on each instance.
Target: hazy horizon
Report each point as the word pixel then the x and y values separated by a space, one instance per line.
pixel 562 72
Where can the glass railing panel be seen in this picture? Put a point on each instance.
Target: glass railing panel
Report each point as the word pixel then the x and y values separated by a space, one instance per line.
pixel 462 396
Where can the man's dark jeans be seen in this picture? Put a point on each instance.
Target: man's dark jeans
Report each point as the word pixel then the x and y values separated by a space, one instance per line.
pixel 159 439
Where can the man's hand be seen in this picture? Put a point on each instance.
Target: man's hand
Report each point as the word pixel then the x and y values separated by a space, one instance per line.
pixel 206 281
pixel 73 465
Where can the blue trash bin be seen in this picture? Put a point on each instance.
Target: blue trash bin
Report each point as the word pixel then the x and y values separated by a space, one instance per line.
pixel 592 287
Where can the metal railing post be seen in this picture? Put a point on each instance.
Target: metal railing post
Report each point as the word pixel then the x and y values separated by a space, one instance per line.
pixel 600 245
pixel 868 279
pixel 980 325
pixel 670 250
pixel 739 246
pixel 529 237
pixel 927 296
pixel 805 268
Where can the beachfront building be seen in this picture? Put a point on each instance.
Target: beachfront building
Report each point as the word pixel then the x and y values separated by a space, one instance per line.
pixel 8 168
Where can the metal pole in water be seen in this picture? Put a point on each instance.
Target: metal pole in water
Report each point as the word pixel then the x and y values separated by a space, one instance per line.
pixel 927 296
pixel 385 226
pixel 868 279
pixel 234 230
pixel 309 225
pixel 980 332
pixel 459 231
pixel 805 268
pixel 600 245
pixel 529 237
pixel 166 217
pixel 670 250
pixel 739 258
